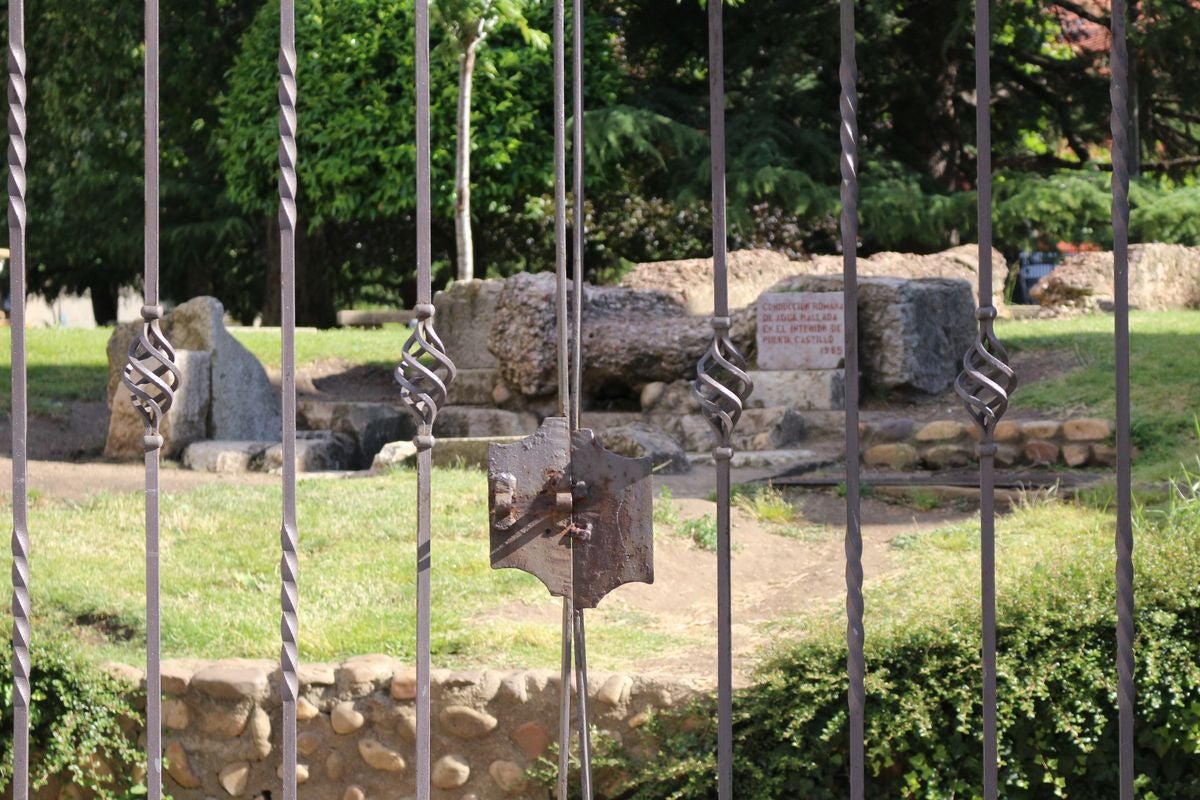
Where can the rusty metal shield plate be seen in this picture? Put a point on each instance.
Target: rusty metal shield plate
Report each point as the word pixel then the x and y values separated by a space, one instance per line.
pixel 614 509
pixel 527 482
pixel 572 514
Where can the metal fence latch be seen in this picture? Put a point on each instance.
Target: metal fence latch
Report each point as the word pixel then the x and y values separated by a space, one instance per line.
pixel 572 514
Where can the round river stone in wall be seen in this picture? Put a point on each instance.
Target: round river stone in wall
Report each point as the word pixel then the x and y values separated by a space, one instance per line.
pixel 450 772
pixel 381 757
pixel 467 723
pixel 345 718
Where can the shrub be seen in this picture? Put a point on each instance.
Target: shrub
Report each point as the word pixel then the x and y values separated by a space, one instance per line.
pixel 1057 684
pixel 79 718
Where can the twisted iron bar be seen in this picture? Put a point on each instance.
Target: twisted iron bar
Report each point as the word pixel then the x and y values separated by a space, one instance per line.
pixel 21 630
pixel 289 652
pixel 1121 155
pixel 423 388
pixel 855 634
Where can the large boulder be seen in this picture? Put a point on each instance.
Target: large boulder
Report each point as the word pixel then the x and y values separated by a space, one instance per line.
pixel 186 422
pixel 243 405
pixel 1161 277
pixel 690 280
pixel 631 337
pixel 912 333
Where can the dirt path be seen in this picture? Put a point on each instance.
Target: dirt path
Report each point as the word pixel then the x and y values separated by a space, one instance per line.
pixel 66 480
pixel 774 576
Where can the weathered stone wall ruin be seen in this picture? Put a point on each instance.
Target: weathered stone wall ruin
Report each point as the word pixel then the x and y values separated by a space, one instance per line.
pixel 356 727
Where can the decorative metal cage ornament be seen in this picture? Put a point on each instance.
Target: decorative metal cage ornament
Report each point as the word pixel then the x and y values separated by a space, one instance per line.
pixel 560 506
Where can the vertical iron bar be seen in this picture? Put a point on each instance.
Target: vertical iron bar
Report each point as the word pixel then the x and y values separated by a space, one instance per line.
pixel 289 563
pixel 150 286
pixel 424 558
pixel 560 205
pixel 564 703
pixel 579 229
pixel 716 90
pixel 20 497
pixel 425 430
pixel 855 634
pixel 987 488
pixel 581 681
pixel 1121 154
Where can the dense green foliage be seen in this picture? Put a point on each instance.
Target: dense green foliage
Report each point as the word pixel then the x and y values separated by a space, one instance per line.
pixel 80 719
pixel 1057 685
pixel 646 138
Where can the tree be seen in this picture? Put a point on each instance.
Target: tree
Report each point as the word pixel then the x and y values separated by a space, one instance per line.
pixel 357 147
pixel 468 23
pixel 85 148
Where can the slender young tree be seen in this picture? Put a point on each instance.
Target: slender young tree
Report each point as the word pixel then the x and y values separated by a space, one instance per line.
pixel 468 23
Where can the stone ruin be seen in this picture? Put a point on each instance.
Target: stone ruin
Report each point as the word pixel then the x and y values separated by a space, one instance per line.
pixel 640 347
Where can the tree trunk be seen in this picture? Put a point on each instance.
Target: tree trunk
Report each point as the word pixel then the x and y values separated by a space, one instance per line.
pixel 462 167
pixel 104 301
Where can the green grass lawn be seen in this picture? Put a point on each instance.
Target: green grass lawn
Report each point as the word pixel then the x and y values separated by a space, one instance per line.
pixel 220 568
pixel 67 364
pixel 1165 379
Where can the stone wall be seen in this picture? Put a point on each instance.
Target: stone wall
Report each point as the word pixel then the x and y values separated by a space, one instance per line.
pixel 356 727
pixel 902 444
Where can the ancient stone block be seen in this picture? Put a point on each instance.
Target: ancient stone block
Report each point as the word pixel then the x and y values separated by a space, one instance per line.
pixel 463 422
pixel 316 451
pixel 464 318
pixel 803 389
pixel 640 440
pixel 244 404
pixel 369 425
pixel 912 333
pixel 224 456
pixel 473 387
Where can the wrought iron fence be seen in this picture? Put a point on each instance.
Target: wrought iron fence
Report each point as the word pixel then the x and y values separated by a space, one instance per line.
pixel 722 387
